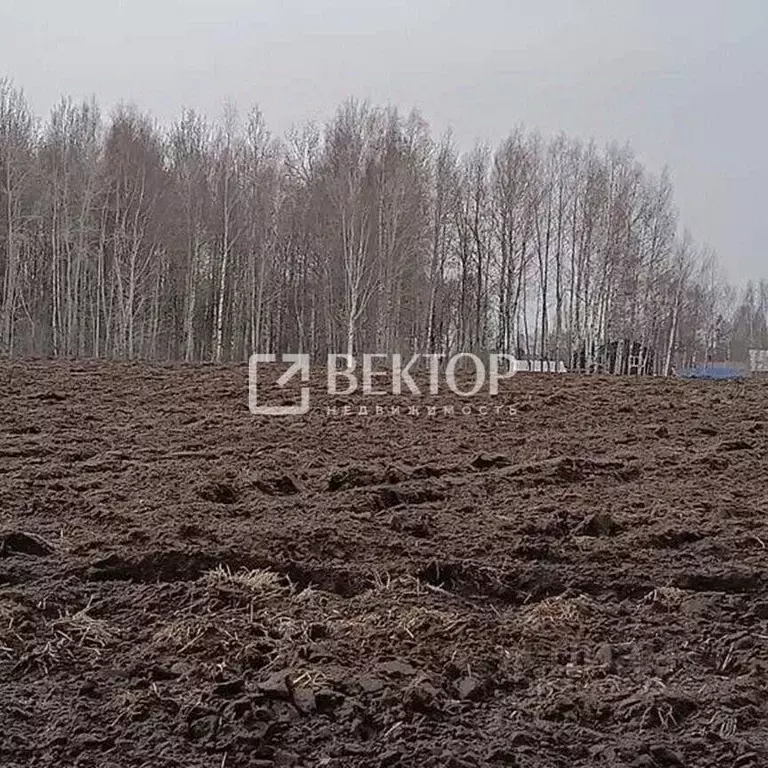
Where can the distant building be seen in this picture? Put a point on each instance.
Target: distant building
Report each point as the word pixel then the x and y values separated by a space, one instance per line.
pixel 758 360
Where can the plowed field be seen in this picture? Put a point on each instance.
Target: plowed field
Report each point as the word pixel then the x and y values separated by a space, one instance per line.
pixel 579 578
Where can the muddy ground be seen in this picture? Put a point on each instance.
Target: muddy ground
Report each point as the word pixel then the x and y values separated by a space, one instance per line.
pixel 578 578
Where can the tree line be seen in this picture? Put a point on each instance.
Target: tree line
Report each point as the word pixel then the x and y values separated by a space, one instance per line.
pixel 207 241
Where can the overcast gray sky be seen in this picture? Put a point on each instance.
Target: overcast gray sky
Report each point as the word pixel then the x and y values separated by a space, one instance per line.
pixel 684 81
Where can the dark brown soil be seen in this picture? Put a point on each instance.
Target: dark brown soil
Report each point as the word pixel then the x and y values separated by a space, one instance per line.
pixel 580 582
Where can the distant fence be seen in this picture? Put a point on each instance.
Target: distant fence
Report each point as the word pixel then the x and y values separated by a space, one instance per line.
pixel 541 366
pixel 620 357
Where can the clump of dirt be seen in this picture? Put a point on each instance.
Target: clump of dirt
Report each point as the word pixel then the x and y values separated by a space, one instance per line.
pixel 218 488
pixel 18 542
pixel 360 477
pixel 279 485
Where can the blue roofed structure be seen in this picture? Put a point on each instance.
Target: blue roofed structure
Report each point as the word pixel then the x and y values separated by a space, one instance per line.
pixel 720 371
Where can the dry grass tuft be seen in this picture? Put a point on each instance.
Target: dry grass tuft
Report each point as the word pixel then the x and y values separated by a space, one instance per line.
pixel 181 634
pixel 9 640
pixel 6 612
pixel 83 630
pixel 256 582
pixel 724 724
pixel 659 714
pixel 658 706
pixel 45 657
pixel 420 620
pixel 314 679
pixel 557 613
pixel 69 632
pixel 668 598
